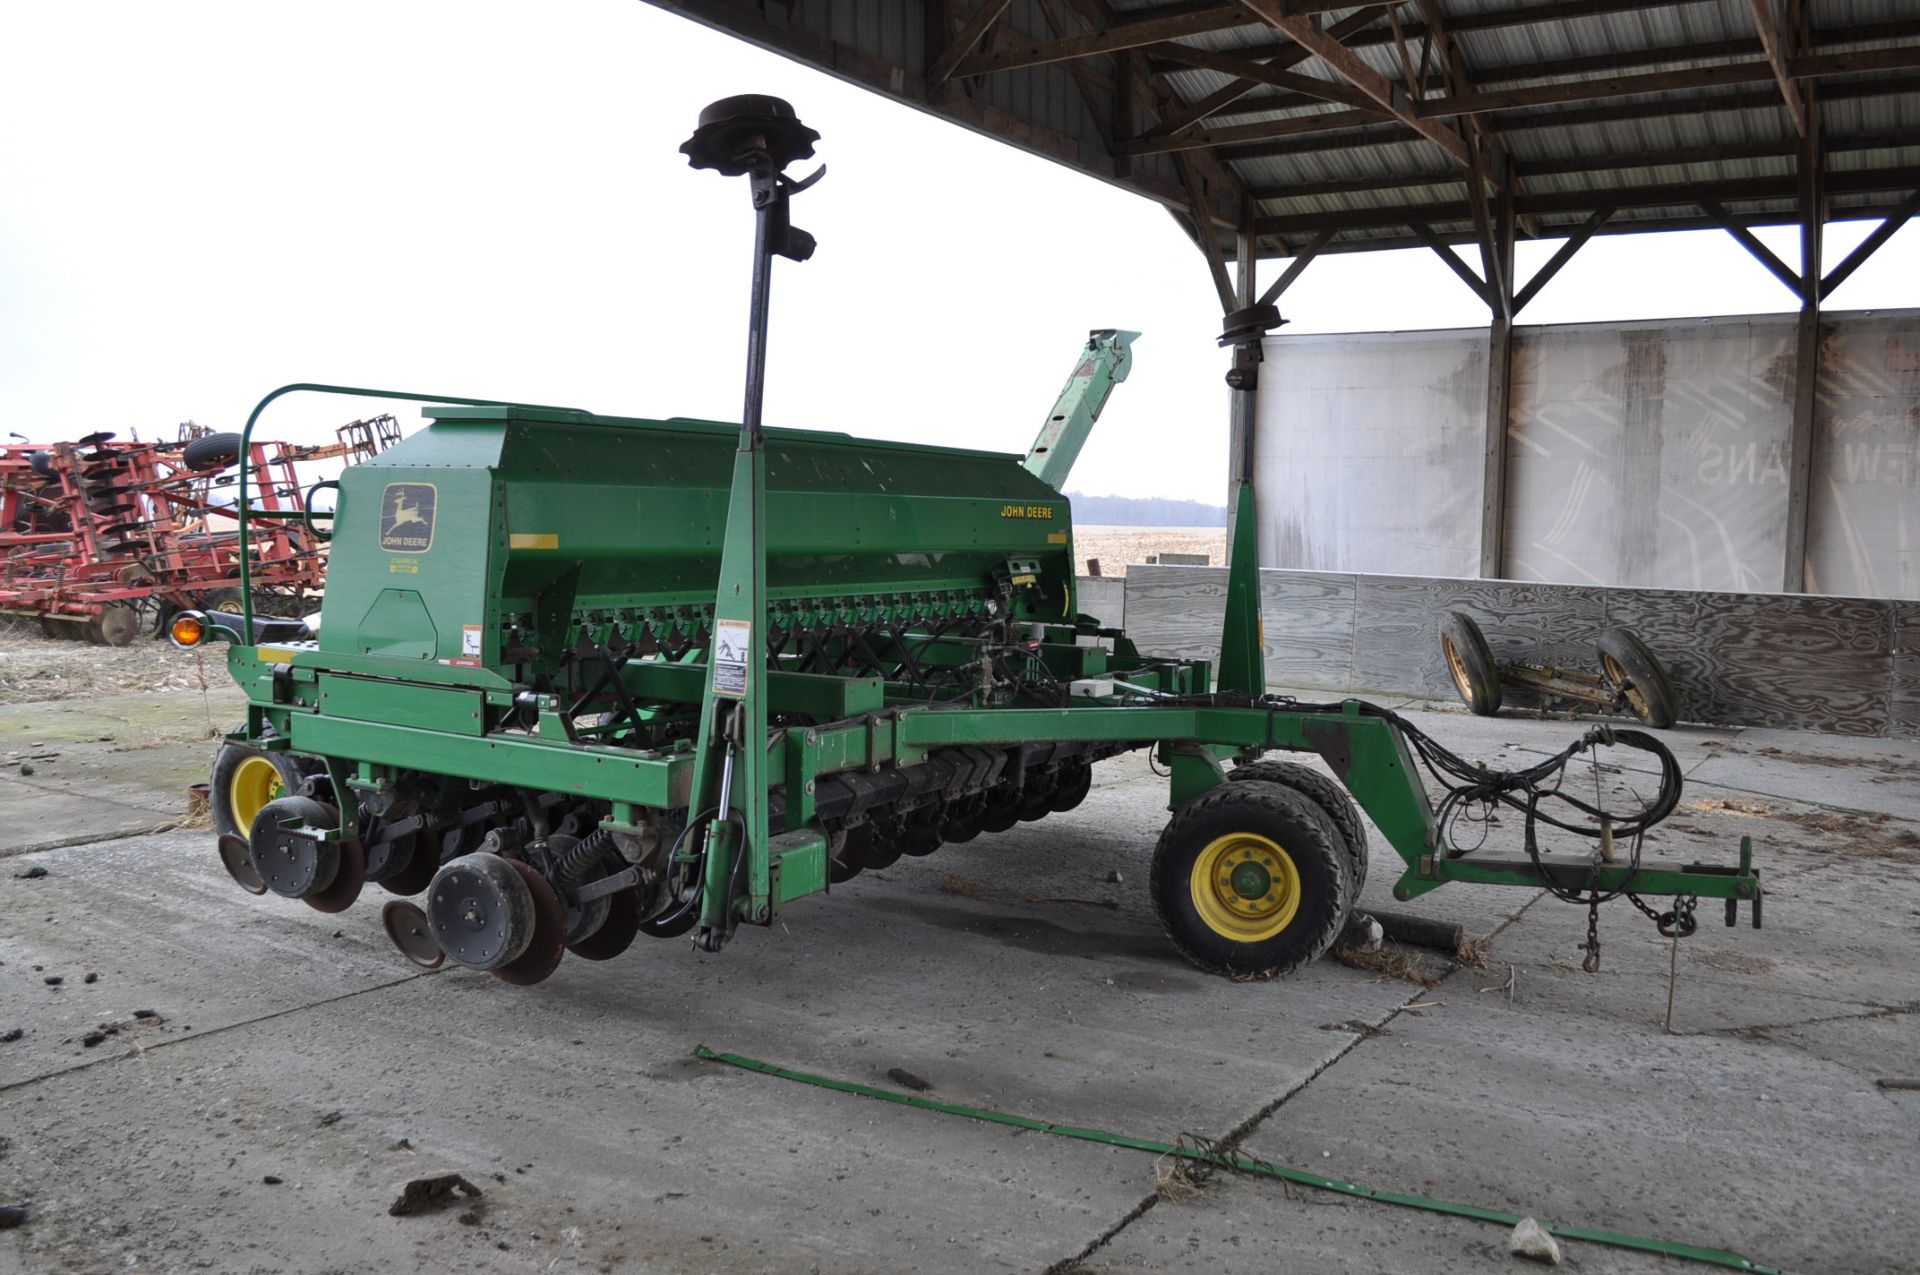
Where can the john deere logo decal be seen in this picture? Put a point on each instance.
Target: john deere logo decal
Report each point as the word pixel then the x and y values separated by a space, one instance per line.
pixel 406 517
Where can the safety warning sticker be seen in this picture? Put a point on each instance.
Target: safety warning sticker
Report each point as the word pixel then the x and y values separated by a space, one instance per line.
pixel 732 641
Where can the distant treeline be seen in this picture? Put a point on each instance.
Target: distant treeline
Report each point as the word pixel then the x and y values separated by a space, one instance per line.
pixel 1127 511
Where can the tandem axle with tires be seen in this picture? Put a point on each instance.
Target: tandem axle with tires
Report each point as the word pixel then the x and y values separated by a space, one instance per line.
pixel 583 679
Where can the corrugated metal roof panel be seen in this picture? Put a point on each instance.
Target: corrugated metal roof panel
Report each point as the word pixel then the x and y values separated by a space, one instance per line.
pixel 1585 142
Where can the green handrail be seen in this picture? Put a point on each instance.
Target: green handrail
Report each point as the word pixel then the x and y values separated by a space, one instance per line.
pixel 246 454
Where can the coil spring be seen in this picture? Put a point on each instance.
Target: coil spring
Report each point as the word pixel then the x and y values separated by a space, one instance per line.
pixel 572 864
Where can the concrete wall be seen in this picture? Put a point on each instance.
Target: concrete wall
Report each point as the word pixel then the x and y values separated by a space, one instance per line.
pixel 1644 455
pixel 1652 455
pixel 1847 666
pixel 1368 452
pixel 1863 526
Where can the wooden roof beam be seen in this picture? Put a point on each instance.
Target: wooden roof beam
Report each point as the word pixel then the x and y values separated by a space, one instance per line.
pixel 1499 19
pixel 1338 91
pixel 1347 64
pixel 971 32
pixel 1773 43
pixel 1303 142
pixel 1695 220
pixel 1582 164
pixel 1132 34
pixel 1681 195
pixel 1759 251
pixel 1813 66
pixel 1279 60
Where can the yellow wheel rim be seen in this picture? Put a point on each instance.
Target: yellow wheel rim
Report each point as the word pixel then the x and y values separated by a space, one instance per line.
pixel 1635 700
pixel 256 781
pixel 1245 887
pixel 1458 668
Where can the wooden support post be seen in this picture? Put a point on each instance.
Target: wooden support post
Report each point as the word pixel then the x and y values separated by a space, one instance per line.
pixel 1806 354
pixel 1493 484
pixel 1241 430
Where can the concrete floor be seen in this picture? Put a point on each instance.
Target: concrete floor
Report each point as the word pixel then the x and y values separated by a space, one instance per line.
pixel 298 1072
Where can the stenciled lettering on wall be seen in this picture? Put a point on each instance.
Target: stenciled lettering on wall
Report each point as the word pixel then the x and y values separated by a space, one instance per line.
pixel 1751 463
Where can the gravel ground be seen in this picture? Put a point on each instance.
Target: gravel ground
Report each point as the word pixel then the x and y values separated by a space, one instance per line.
pixel 35 668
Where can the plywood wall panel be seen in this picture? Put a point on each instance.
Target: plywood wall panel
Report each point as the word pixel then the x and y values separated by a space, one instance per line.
pixel 1308 628
pixel 1903 699
pixel 1847 666
pixel 1397 626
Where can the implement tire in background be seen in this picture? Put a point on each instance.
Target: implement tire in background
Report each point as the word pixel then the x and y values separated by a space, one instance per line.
pixel 1250 880
pixel 244 779
pixel 1326 793
pixel 1470 663
pixel 1638 673
pixel 211 452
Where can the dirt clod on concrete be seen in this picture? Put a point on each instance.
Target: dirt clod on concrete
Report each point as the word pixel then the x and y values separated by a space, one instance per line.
pixel 12 1215
pixel 424 1195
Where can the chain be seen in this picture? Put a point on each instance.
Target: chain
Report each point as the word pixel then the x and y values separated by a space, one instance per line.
pixel 1592 962
pixel 1678 923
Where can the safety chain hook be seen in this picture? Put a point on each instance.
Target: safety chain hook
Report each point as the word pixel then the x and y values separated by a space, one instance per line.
pixel 1592 946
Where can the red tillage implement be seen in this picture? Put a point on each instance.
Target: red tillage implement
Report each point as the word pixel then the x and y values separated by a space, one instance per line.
pixel 109 538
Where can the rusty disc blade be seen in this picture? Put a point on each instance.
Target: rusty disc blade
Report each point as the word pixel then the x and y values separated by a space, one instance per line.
pixel 407 926
pixel 234 856
pixel 616 934
pixel 347 882
pixel 422 863
pixel 549 941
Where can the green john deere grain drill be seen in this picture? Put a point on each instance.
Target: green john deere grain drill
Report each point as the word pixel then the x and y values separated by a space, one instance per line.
pixel 583 678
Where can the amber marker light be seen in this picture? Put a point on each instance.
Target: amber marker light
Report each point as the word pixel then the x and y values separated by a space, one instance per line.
pixel 189 629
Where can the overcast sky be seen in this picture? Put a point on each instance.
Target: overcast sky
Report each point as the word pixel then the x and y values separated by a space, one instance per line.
pixel 201 201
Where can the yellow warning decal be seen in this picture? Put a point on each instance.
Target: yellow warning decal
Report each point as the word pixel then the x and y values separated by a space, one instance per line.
pixel 1056 537
pixel 533 540
pixel 273 655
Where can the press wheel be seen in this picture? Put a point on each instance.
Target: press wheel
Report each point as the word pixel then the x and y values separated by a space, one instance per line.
pixel 292 866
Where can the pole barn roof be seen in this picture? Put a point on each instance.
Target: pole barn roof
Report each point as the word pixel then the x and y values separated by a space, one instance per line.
pixel 1316 127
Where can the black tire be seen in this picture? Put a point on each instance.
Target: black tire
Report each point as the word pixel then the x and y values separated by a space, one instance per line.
pixel 1639 675
pixel 211 451
pixel 227 600
pixel 1470 663
pixel 1262 818
pixel 1326 793
pixel 229 764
